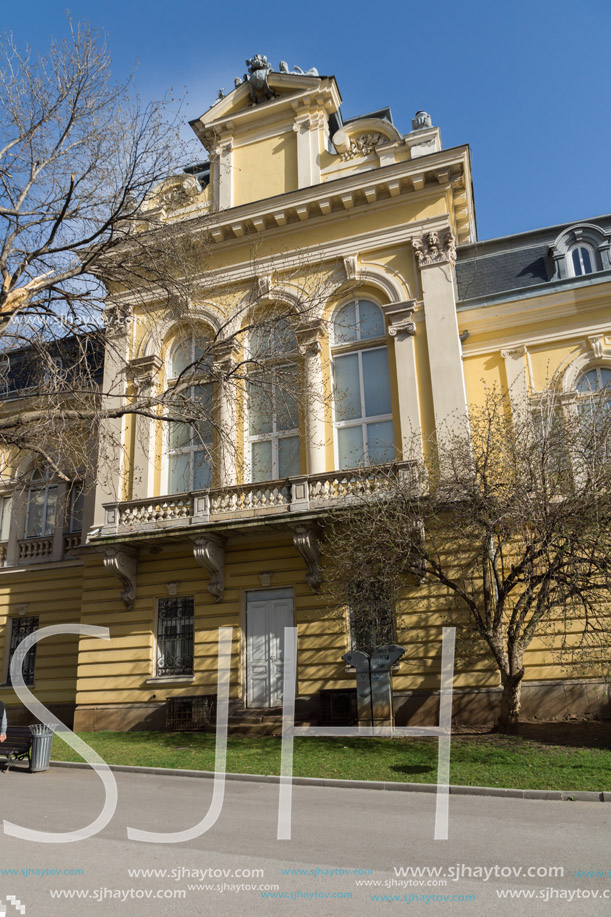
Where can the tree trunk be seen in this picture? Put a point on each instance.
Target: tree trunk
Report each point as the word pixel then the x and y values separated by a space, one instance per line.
pixel 510 701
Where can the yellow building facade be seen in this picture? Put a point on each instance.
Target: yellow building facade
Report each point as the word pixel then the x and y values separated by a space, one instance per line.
pixel 392 319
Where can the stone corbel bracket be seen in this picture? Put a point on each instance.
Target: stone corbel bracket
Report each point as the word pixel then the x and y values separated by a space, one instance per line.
pixel 400 318
pixel 123 563
pixel 209 552
pixel 305 540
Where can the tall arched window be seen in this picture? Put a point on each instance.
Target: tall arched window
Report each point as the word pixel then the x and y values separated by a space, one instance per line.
pixel 361 393
pixel 41 505
pixel 189 444
pixel 594 405
pixel 273 403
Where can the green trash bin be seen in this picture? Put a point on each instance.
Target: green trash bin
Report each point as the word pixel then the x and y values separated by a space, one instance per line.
pixel 40 755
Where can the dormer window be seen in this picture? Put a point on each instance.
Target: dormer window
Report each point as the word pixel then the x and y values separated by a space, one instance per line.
pixel 581 260
pixel 581 250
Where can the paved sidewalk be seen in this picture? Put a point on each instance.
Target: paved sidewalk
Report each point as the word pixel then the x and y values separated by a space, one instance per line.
pixel 333 829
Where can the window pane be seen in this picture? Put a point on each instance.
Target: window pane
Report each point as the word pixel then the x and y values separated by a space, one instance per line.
pixel 285 392
pixel 605 377
pixel 288 456
pixel 179 436
pixel 260 407
pixel 180 473
pixel 347 389
pixel 344 325
pixel 380 446
pixel 588 382
pixel 272 339
pixel 585 260
pixel 181 357
pixel 5 522
pixel 261 456
pixel 371 320
pixel 202 472
pixel 35 513
pixel 377 382
pixel 350 446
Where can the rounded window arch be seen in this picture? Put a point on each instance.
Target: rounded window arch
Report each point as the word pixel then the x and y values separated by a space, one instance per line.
pixel 595 380
pixel 362 409
pixel 189 437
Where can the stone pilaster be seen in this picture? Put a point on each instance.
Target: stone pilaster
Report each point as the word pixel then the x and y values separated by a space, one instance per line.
pixel 402 330
pixel 309 342
pixel 517 378
pixel 144 372
pixel 436 254
pixel 225 357
pixel 111 439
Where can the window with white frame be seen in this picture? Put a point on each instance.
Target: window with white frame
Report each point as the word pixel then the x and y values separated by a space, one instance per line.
pixel 594 405
pixel 581 259
pixel 190 442
pixel 175 636
pixel 41 505
pixel 361 386
pixel 273 403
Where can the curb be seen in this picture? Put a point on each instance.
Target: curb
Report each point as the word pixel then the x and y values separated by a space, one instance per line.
pixel 558 795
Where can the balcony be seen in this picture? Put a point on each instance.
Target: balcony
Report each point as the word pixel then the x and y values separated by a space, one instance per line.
pixel 304 494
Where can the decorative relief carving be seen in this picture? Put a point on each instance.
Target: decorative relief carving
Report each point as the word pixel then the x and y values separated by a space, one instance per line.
pixel 177 191
pixel 209 552
pixel 405 326
pixel 514 352
pixel 351 266
pixel 435 248
pixel 598 345
pixel 123 563
pixel 363 145
pixel 306 542
pixel 117 317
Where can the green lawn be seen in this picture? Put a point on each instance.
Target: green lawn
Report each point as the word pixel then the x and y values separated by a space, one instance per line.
pixel 482 760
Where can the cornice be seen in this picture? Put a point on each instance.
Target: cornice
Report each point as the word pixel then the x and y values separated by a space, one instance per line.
pixel 357 190
pixel 537 339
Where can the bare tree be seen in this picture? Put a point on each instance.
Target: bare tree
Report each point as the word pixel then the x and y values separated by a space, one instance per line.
pixel 86 201
pixel 510 515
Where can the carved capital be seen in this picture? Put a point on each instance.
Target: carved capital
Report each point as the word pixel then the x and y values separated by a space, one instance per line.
pixel 209 552
pixel 598 345
pixel 225 355
pixel 143 371
pixel 308 337
pixel 399 316
pixel 117 317
pixel 305 540
pixel 122 562
pixel 435 248
pixel 514 352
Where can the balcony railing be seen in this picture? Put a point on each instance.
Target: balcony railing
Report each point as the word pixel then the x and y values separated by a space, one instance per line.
pixel 249 501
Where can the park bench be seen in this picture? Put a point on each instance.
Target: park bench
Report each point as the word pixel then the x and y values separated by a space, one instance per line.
pixel 16 747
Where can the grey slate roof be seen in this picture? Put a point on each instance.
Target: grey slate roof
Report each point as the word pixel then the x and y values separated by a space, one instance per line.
pixel 511 262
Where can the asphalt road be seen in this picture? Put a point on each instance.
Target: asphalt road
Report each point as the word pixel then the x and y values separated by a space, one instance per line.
pixel 333 829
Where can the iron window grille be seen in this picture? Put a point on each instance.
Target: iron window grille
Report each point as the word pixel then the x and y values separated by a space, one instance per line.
pixel 20 629
pixel 175 636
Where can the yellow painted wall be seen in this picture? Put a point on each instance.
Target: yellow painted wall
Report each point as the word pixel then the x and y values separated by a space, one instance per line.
pixel 265 168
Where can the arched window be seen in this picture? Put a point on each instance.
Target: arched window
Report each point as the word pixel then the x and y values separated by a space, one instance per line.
pixel 273 403
pixel 189 443
pixel 595 380
pixel 361 386
pixel 594 405
pixel 41 505
pixel 581 259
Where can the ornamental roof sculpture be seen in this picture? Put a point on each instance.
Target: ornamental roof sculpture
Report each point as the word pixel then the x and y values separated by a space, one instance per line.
pixel 259 69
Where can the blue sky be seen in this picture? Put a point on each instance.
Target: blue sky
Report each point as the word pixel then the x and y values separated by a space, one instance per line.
pixel 526 84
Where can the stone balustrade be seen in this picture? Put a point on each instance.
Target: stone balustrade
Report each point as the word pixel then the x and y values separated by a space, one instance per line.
pixel 32 549
pixel 269 498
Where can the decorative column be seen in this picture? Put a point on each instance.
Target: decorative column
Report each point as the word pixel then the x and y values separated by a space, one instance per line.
pixel 436 255
pixel 402 329
pixel 308 340
pixel 223 174
pixel 143 372
pixel 225 357
pixel 118 317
